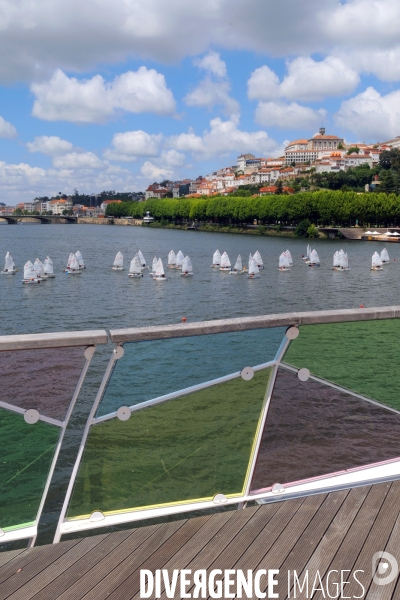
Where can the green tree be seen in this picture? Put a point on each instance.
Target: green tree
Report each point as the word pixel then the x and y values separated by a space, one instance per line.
pixel 302 228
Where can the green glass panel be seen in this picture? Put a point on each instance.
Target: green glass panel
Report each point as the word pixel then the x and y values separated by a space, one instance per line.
pixel 192 447
pixel 359 356
pixel 26 453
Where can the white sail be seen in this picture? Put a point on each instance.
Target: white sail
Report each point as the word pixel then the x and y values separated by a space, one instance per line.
pixel 70 258
pixel 80 259
pixel 250 258
pixel 336 259
pixel 48 266
pixel 308 250
pixel 159 268
pixel 289 258
pixel 385 256
pixel 135 266
pixel 376 260
pixel 142 259
pixel 9 263
pixel 216 258
pixel 38 268
pixel 187 265
pixel 258 259
pixel 284 261
pixel 238 264
pixel 179 259
pixel 225 262
pixel 344 260
pixel 29 271
pixel 314 258
pixel 73 264
pixel 171 258
pixel 154 265
pixel 119 260
pixel 253 268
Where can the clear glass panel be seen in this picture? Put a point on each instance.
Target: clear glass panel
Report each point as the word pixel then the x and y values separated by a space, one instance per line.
pixel 43 379
pixel 26 453
pixel 360 356
pixel 152 369
pixel 184 449
pixel 313 429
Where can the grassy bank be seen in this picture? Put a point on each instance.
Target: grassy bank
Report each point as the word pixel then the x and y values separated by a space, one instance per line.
pixel 215 228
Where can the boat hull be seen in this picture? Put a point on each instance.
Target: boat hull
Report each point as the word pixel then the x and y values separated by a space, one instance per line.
pixel 186 274
pixel 7 272
pixel 376 269
pixel 159 278
pixel 118 268
pixel 73 272
pixel 253 277
pixel 135 275
pixel 28 281
pixel 314 265
pixel 236 272
pixel 284 269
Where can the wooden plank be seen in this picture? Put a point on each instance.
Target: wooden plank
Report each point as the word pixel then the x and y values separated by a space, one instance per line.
pixel 130 582
pixel 329 544
pixel 5 557
pixel 359 530
pixel 305 546
pixel 105 565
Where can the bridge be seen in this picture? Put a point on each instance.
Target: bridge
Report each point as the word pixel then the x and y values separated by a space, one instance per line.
pixel 14 219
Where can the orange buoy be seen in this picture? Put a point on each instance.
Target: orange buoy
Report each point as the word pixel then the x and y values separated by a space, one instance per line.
pixel 184 319
pixel 361 305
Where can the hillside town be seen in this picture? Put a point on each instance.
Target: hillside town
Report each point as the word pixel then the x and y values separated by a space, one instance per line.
pixel 302 158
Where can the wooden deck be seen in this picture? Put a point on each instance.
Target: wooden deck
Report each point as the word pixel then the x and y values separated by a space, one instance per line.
pixel 340 530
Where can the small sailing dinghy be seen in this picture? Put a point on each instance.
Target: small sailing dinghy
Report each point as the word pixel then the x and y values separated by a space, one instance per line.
pixel 306 258
pixel 9 266
pixel 39 269
pixel 225 263
pixel 258 259
pixel 179 260
pixel 118 264
pixel 70 257
pixel 376 262
pixel 153 267
pixel 135 269
pixel 385 256
pixel 254 272
pixel 216 263
pixel 159 275
pixel 284 264
pixel 314 259
pixel 187 268
pixel 340 261
pixel 48 268
pixel 142 260
pixel 30 274
pixel 80 260
pixel 238 268
pixel 290 259
pixel 73 266
pixel 171 260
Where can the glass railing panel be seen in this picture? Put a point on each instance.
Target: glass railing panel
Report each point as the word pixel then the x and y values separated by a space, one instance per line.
pixel 26 454
pixel 156 368
pixel 185 449
pixel 43 379
pixel 314 429
pixel 360 356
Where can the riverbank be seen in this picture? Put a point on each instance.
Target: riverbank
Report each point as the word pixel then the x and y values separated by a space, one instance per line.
pixel 109 221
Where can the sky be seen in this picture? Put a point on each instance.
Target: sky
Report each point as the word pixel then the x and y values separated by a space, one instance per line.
pixel 116 94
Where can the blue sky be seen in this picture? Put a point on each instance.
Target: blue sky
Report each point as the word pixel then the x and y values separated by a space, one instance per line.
pixel 115 95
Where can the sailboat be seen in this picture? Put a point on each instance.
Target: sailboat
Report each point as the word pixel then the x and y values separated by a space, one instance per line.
pixel 216 262
pixel 171 260
pixel 30 274
pixel 306 258
pixel 385 256
pixel 179 260
pixel 225 263
pixel 142 260
pixel 70 258
pixel 238 268
pixel 135 269
pixel 187 268
pixel 80 260
pixel 314 259
pixel 284 264
pixel 159 274
pixel 258 259
pixel 376 262
pixel 73 266
pixel 118 264
pixel 289 258
pixel 9 266
pixel 340 261
pixel 153 267
pixel 48 268
pixel 39 269
pixel 254 272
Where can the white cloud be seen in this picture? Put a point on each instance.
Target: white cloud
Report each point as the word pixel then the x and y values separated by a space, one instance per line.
pixel 7 130
pixel 130 145
pixel 172 158
pixel 383 63
pixel 52 145
pixel 263 84
pixel 212 63
pixel 73 160
pixel 288 116
pixel 210 93
pixel 370 115
pixel 64 98
pixel 154 172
